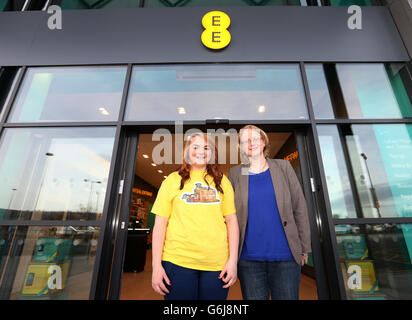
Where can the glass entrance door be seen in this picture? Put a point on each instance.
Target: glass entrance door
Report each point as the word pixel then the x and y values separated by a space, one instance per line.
pixel 131 275
pixel 160 98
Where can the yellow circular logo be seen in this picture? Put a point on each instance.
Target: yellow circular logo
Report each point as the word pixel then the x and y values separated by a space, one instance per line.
pixel 216 35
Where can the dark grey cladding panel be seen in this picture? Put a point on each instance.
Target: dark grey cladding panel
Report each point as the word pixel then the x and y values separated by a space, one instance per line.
pixel 169 35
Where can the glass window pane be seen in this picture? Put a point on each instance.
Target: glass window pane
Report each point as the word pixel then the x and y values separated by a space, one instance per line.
pixel 95 4
pixel 376 261
pixel 8 79
pixel 319 92
pixel 199 92
pixel 374 90
pixel 214 3
pixel 70 94
pixel 54 173
pixel 11 5
pixel 337 178
pixel 47 263
pixel 380 163
pixel 352 2
pixel 356 90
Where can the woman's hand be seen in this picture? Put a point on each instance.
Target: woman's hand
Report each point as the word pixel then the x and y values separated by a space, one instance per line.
pixel 158 275
pixel 304 259
pixel 229 273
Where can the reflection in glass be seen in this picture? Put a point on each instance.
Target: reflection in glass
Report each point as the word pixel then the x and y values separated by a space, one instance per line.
pixel 376 261
pixel 213 3
pixel 97 4
pixel 379 164
pixel 352 2
pixel 8 79
pixel 70 94
pixel 374 90
pixel 319 92
pixel 47 263
pixel 381 158
pixel 360 90
pixel 199 92
pixel 54 174
pixel 11 5
pixel 337 177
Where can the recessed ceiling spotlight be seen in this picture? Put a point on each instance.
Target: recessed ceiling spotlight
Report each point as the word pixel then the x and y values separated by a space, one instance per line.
pixel 103 111
pixel 181 110
pixel 261 109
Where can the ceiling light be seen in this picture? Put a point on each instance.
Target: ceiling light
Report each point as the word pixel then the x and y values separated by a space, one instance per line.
pixel 160 171
pixel 145 156
pixel 154 164
pixel 103 111
pixel 181 110
pixel 165 177
pixel 261 109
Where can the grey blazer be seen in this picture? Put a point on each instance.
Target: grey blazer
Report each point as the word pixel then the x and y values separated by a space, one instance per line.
pixel 290 200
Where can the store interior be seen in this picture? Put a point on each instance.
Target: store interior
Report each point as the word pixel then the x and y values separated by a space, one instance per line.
pixel 137 269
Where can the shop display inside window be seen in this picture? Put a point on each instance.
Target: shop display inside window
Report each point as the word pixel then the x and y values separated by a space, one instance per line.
pixel 48 263
pixel 376 261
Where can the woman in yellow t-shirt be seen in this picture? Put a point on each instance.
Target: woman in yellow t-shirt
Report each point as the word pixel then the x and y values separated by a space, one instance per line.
pixel 196 234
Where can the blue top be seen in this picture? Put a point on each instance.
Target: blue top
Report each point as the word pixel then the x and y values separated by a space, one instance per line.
pixel 265 239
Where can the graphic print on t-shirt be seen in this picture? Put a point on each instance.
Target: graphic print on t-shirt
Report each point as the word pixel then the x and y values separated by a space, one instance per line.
pixel 201 194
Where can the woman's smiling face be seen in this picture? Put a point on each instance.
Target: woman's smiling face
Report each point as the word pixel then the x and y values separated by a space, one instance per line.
pixel 199 152
pixel 251 142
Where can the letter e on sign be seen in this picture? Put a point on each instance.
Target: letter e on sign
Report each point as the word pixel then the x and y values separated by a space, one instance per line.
pixel 216 36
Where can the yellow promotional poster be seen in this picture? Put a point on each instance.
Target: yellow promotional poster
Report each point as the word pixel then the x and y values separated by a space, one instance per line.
pixel 369 282
pixel 38 277
pixel 216 36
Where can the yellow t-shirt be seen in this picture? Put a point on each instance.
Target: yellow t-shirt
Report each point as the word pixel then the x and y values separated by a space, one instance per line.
pixel 196 235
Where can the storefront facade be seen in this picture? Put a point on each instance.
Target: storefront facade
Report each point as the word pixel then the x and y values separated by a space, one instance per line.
pixel 75 100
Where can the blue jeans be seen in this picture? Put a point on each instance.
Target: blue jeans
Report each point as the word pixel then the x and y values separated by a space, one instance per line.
pixel 191 284
pixel 280 278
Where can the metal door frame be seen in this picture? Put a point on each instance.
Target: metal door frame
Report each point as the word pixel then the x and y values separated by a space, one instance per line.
pixel 309 170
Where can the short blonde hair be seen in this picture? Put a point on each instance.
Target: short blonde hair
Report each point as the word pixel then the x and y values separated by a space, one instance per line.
pixel 263 135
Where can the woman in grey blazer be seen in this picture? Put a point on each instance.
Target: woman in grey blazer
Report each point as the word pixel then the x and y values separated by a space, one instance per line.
pixel 273 221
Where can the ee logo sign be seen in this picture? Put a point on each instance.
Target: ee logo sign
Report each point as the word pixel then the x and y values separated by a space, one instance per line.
pixel 216 35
